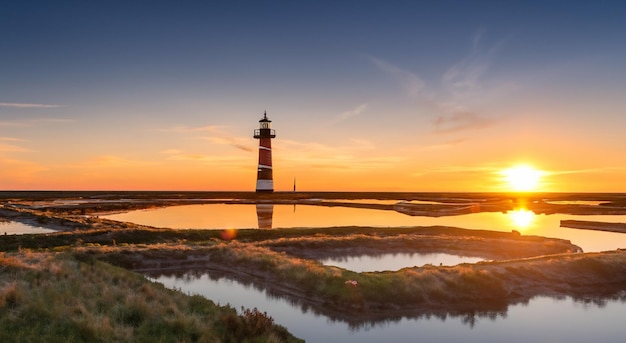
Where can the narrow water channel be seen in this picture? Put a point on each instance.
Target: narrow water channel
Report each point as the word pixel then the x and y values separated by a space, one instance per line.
pixel 542 319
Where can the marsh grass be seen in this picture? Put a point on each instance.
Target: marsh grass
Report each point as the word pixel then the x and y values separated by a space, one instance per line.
pixel 448 240
pixel 483 285
pixel 283 260
pixel 60 298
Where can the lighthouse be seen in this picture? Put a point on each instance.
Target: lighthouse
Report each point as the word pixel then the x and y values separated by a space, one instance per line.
pixel 264 180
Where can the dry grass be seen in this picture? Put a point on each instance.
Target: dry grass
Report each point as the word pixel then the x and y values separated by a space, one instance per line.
pixel 450 240
pixel 482 285
pixel 283 262
pixel 44 296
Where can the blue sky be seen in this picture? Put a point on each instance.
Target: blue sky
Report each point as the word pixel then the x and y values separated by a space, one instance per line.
pixel 426 91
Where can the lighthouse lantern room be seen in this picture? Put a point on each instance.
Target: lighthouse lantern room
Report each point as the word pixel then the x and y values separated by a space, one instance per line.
pixel 264 180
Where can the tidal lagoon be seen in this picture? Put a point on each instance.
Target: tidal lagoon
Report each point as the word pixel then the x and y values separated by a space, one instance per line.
pixel 361 241
pixel 244 216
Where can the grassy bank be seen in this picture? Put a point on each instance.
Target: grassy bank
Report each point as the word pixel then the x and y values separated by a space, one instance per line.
pixel 57 298
pixel 487 285
pixel 94 202
pixel 490 245
pixel 302 242
pixel 281 261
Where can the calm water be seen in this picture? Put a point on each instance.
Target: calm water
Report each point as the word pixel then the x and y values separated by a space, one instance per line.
pixel 223 216
pixel 17 228
pixel 398 261
pixel 541 320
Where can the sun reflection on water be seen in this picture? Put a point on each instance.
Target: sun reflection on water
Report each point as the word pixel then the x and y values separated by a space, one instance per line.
pixel 521 218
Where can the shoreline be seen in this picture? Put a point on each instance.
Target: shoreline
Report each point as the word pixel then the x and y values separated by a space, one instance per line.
pixel 594 225
pixel 282 261
pixel 517 281
pixel 83 203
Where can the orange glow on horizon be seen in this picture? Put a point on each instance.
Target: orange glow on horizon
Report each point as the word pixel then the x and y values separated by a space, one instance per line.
pixel 240 175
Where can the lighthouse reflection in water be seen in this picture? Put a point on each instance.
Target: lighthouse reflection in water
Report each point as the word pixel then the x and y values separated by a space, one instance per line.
pixel 264 213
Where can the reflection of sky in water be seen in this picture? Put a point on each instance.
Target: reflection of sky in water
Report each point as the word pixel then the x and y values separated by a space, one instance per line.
pixel 364 201
pixel 521 218
pixel 17 228
pixel 397 261
pixel 576 202
pixel 541 320
pixel 222 216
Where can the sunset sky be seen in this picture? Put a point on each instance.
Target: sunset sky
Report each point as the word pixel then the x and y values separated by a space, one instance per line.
pixel 363 95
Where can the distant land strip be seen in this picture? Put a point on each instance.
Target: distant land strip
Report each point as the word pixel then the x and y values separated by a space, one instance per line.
pixel 591 225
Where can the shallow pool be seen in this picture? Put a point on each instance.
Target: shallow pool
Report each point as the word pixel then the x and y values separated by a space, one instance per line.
pixel 392 262
pixel 238 216
pixel 17 228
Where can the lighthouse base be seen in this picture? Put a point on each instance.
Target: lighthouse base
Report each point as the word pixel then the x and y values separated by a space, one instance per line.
pixel 264 185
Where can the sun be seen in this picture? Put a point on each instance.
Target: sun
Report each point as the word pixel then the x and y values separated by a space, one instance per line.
pixel 522 178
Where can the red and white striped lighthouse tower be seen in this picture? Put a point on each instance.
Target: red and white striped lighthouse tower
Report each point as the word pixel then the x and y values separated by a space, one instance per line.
pixel 264 180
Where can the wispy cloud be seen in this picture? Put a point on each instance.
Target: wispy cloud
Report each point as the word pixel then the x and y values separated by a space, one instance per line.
pixel 18 171
pixel 413 84
pixel 362 143
pixel 460 121
pixel 483 169
pixel 496 169
pixel 12 148
pixel 450 116
pixel 444 145
pixel 33 121
pixel 215 134
pixel 208 158
pixel 171 151
pixel 348 114
pixel 50 120
pixel 109 161
pixel 27 105
pixel 12 123
pixel 10 139
pixel 9 147
pixel 113 161
pixel 224 161
pixel 356 156
pixel 237 142
pixel 466 169
pixel 187 129
pixel 588 170
pixel 465 76
pixel 460 82
pixel 13 170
